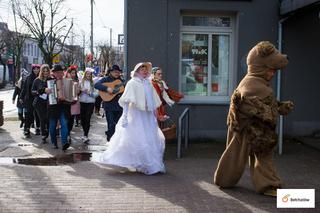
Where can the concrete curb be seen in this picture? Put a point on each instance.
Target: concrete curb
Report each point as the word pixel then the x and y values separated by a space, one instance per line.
pixel 11 118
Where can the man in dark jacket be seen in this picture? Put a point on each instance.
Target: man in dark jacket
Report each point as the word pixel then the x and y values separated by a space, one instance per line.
pixel 113 110
pixel 27 98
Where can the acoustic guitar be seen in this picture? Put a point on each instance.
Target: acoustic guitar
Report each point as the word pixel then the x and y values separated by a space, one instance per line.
pixel 117 86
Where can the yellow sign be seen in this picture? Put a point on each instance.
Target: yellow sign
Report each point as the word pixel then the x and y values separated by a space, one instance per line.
pixel 56 59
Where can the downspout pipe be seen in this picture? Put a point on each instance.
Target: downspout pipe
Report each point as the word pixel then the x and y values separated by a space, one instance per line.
pixel 125 32
pixel 280 122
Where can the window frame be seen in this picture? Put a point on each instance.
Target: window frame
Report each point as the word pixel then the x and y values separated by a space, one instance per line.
pixel 210 31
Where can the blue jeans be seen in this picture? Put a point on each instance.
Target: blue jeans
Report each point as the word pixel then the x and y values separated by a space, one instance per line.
pixel 64 129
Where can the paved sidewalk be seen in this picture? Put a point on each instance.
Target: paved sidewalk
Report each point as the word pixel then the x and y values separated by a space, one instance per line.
pixel 186 187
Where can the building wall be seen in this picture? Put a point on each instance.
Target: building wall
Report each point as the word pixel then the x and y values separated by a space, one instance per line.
pixel 153 30
pixel 31 54
pixel 301 77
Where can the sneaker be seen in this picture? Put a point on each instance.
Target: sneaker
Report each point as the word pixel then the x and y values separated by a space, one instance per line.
pixel 55 146
pixel 65 146
pixel 21 124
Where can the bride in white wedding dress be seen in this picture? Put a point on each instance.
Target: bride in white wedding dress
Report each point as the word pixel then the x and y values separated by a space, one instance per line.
pixel 137 143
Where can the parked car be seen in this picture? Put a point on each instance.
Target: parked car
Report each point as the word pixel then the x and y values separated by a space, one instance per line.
pixel 3 77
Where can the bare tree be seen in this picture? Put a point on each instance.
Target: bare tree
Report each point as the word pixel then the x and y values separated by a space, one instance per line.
pixel 73 54
pixel 45 22
pixel 107 56
pixel 104 58
pixel 67 58
pixel 5 38
pixel 18 40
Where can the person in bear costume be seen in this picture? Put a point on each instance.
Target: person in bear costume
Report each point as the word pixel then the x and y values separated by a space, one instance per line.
pixel 252 120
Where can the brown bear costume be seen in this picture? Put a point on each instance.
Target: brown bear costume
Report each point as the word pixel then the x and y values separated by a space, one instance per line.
pixel 252 123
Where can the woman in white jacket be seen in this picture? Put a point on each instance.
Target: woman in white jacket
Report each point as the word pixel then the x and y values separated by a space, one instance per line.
pixel 87 100
pixel 137 143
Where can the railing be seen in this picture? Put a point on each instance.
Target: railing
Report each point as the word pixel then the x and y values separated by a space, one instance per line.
pixel 183 117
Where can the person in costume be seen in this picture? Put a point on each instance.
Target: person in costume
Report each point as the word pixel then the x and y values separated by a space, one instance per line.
pixel 113 110
pixel 161 87
pixel 252 123
pixel 138 142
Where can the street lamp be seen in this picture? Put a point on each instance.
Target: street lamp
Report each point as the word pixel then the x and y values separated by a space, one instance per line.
pixel 110 34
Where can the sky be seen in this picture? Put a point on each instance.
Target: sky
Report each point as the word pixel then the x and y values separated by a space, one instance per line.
pixel 107 14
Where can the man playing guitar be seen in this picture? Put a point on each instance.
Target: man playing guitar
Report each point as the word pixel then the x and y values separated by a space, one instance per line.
pixel 110 89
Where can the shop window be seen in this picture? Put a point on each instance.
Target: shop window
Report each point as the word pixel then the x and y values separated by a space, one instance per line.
pixel 206 60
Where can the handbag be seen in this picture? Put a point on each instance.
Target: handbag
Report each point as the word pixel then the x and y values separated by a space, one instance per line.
pixel 75 108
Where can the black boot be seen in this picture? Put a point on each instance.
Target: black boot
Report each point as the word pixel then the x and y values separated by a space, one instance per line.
pixel 21 119
pixel 27 133
pixel 37 131
pixel 44 139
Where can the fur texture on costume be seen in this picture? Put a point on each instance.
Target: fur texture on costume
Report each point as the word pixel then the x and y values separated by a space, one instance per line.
pixel 252 122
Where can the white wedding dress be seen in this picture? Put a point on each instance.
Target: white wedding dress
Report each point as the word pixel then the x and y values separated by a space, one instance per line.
pixel 139 145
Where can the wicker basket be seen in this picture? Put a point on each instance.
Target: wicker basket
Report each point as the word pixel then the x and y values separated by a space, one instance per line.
pixel 169 129
pixel 170 133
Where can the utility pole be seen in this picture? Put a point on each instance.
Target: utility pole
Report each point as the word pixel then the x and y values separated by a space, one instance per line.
pixel 16 69
pixel 72 47
pixel 91 37
pixel 72 35
pixel 110 37
pixel 84 50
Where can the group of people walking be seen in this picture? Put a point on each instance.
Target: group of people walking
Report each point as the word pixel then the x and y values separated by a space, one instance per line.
pixel 54 119
pixel 134 110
